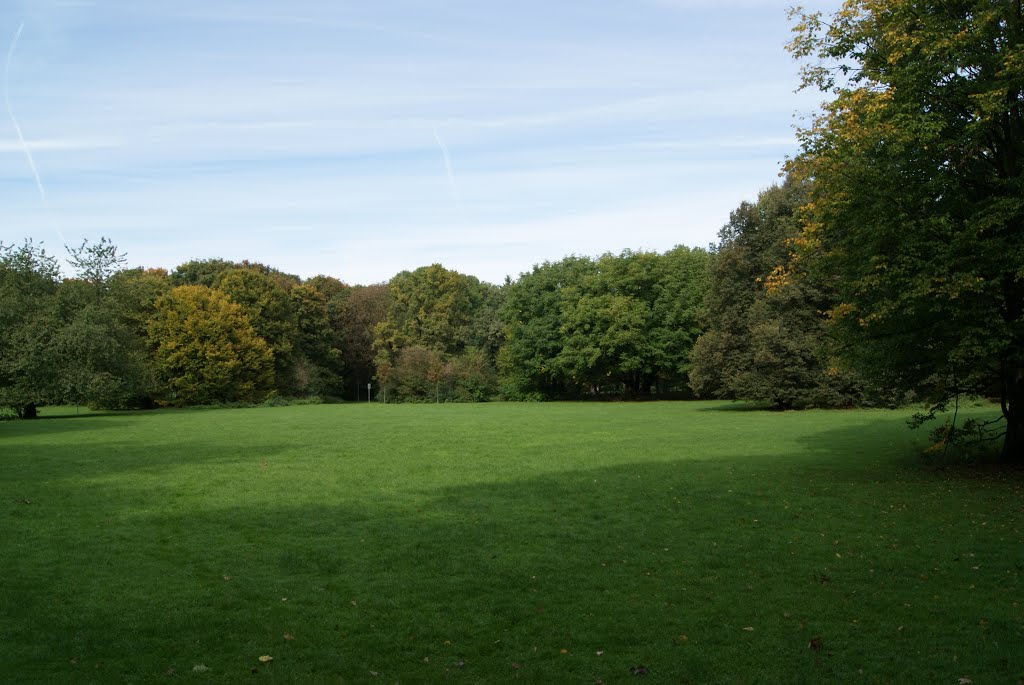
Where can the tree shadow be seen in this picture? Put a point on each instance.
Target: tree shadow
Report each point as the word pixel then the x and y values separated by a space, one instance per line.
pixel 740 406
pixel 614 565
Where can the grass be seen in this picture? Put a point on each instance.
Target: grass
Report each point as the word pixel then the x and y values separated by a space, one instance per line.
pixel 546 543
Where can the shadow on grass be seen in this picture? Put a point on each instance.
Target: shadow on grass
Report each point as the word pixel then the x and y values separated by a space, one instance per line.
pixel 701 571
pixel 740 406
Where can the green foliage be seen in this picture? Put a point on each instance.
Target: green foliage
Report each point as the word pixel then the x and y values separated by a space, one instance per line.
pixel 532 311
pixel 431 306
pixel 620 324
pixel 434 317
pixel 200 272
pixel 29 278
pixel 207 350
pixel 767 336
pixel 319 359
pixel 917 208
pixel 355 315
pixel 269 308
pixel 100 348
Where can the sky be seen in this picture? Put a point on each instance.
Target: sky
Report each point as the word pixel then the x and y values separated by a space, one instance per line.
pixel 360 139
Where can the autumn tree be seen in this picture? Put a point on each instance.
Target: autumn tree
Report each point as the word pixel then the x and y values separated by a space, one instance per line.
pixel 917 203
pixel 269 308
pixel 766 337
pixel 439 310
pixel 207 350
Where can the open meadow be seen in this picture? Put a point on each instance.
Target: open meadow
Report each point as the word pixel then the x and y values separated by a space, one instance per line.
pixel 552 543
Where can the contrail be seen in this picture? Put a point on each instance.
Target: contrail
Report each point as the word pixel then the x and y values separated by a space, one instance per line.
pixel 448 167
pixel 10 112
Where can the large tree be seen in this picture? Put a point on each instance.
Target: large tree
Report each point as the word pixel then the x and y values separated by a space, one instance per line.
pixel 766 338
pixel 206 349
pixel 917 205
pixel 441 313
pixel 619 324
pixel 29 279
pixel 100 351
pixel 265 300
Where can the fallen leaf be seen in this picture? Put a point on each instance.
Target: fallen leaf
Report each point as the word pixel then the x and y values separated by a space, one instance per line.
pixel 169 672
pixel 200 668
pixel 965 681
pixel 563 651
pixel 749 629
pixel 374 673
pixel 639 670
pixel 426 659
pixel 227 577
pixel 460 663
pixel 289 636
pixel 815 644
pixel 516 666
pixel 266 657
pixel 599 652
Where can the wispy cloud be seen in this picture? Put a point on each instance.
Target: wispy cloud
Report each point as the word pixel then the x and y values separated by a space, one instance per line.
pixel 58 144
pixel 301 135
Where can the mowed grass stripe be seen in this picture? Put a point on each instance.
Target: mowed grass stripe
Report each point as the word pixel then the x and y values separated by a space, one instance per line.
pixel 502 542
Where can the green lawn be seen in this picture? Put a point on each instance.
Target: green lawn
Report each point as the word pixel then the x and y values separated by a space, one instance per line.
pixel 548 543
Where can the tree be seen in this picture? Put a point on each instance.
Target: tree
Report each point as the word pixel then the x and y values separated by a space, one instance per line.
pixel 438 310
pixel 431 306
pixel 917 205
pixel 99 350
pixel 29 278
pixel 621 324
pixel 766 339
pixel 528 361
pixel 269 308
pixel 200 272
pixel 319 363
pixel 354 315
pixel 207 351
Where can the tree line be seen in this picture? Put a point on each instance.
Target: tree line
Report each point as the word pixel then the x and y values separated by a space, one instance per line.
pixel 887 267
pixel 632 325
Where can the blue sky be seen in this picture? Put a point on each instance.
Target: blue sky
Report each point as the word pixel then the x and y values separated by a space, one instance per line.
pixel 358 139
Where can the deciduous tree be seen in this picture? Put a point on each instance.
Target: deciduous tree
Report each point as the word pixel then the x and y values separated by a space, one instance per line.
pixel 29 278
pixel 207 350
pixel 917 205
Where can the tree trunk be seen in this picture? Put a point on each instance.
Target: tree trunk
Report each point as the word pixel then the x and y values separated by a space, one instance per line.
pixel 1013 410
pixel 29 411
